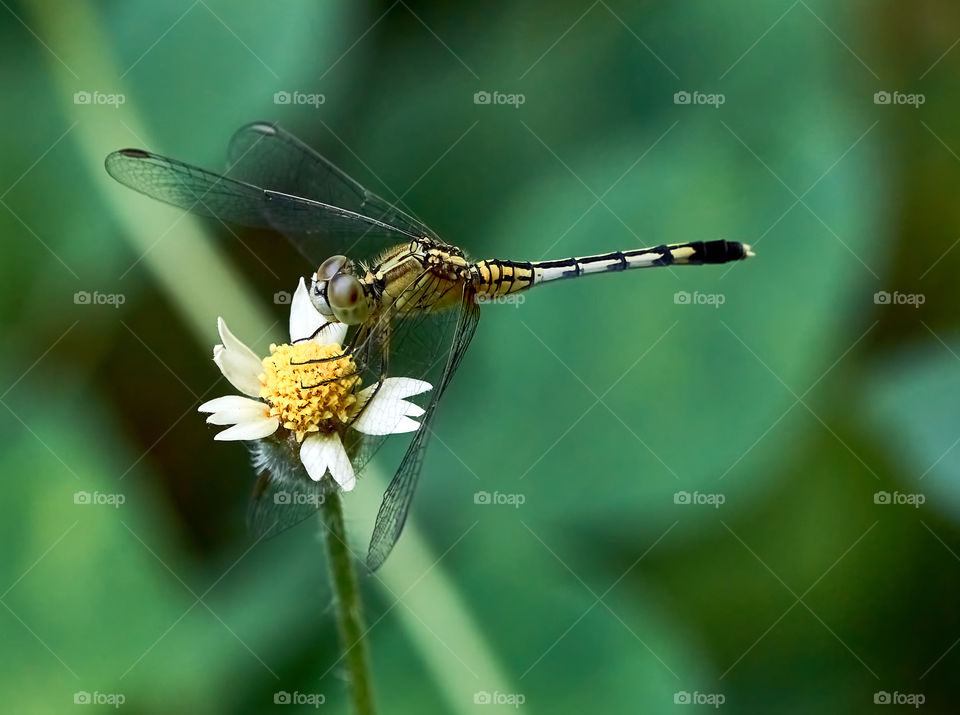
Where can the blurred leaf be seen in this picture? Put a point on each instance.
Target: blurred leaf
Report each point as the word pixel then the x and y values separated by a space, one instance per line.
pixel 76 568
pixel 912 399
pixel 220 63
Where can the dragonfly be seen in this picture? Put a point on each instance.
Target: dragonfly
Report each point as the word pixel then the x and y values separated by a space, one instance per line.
pixel 411 299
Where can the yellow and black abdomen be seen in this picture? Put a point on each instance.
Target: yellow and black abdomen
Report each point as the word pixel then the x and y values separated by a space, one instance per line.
pixel 494 278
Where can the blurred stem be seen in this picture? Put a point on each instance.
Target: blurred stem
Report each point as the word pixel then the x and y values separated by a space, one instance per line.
pixel 348 604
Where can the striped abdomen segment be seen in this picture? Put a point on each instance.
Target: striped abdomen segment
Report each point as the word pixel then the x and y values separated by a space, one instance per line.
pixel 677 254
pixel 495 278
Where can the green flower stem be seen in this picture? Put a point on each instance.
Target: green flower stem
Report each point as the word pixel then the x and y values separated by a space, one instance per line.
pixel 348 605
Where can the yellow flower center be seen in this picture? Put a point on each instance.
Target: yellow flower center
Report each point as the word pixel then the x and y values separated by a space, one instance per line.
pixel 307 395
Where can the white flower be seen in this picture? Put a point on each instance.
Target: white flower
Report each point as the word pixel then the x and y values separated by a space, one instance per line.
pixel 307 389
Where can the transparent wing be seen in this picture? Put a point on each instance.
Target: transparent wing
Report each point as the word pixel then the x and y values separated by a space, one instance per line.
pixel 264 154
pixel 399 494
pixel 283 495
pixel 407 345
pixel 317 229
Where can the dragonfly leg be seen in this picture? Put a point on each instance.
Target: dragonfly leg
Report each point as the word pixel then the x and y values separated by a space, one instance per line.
pixel 315 333
pixel 347 349
pixel 332 379
pixel 319 360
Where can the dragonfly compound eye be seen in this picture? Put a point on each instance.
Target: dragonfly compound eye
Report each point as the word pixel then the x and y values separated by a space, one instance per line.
pixel 347 299
pixel 331 267
pixel 318 296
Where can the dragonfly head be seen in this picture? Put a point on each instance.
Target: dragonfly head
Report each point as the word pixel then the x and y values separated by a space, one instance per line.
pixel 338 294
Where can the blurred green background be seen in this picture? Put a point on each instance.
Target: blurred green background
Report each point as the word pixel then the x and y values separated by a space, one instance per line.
pixel 799 402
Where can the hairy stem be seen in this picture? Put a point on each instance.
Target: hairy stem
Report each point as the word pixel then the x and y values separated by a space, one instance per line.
pixel 348 605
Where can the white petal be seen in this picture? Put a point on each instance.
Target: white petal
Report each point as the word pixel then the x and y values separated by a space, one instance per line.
pixel 388 412
pixel 316 453
pixel 229 402
pixel 322 452
pixel 256 429
pixel 401 387
pixel 238 363
pixel 304 318
pixel 414 410
pixel 234 410
pixel 398 387
pixel 333 334
pixel 342 471
pixel 405 425
pixel 240 415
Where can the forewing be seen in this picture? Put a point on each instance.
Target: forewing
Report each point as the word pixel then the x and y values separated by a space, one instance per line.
pixel 399 494
pixel 264 154
pixel 314 227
